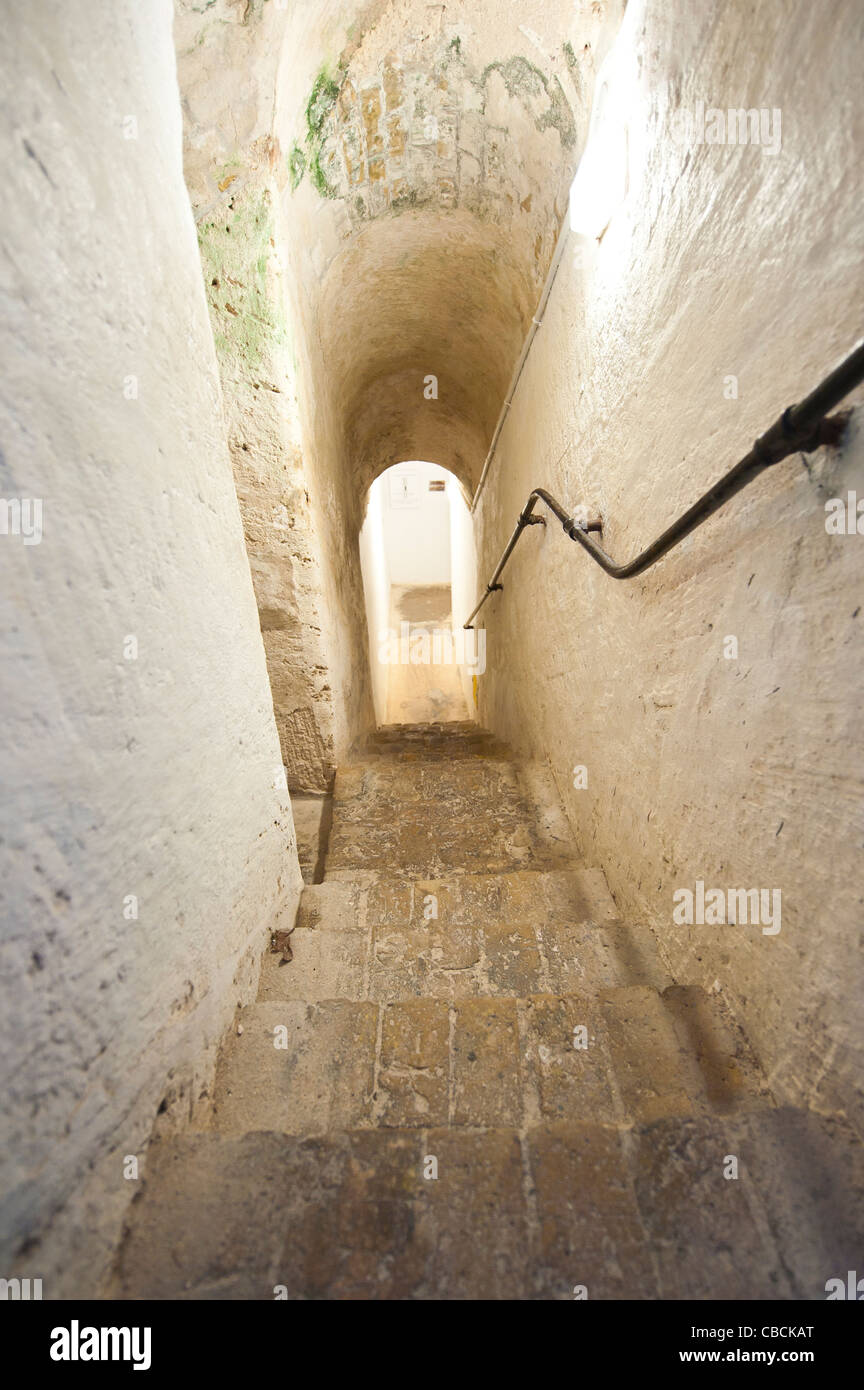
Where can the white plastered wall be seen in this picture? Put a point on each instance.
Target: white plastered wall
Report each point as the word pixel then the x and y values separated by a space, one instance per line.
pixel 376 585
pixel 141 760
pixel 464 586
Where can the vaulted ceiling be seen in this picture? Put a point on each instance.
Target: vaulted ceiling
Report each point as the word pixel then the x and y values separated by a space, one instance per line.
pixel 422 155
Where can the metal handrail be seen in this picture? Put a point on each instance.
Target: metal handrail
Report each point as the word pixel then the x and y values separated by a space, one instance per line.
pixel 802 427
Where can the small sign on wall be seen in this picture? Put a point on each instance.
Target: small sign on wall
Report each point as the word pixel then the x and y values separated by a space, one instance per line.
pixel 404 490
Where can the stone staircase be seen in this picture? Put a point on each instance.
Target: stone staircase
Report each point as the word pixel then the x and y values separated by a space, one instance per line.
pixel 473 1081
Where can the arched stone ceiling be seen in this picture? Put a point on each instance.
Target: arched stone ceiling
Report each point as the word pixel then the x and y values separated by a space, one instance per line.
pixel 423 155
pixel 423 297
pixel 431 158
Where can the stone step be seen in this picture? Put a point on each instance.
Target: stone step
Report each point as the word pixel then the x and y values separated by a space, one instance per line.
pixel 477 752
pixel 486 934
pixel 621 1056
pixel 432 817
pixel 482 749
pixel 383 806
pixel 435 837
pixel 412 846
pixel 362 787
pixel 455 727
pixel 570 895
pixel 640 1214
pixel 456 740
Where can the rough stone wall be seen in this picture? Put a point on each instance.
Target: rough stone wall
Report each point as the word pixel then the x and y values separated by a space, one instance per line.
pixel 253 342
pixel 723 262
pixel 227 59
pixel 147 849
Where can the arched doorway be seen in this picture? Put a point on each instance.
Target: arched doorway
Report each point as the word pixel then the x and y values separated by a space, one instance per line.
pixel 418 565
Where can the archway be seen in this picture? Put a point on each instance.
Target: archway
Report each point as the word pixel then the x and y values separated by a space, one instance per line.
pixel 418 566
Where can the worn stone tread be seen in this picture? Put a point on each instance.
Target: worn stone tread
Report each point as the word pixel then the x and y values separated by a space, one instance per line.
pixel 639 1214
pixel 615 1059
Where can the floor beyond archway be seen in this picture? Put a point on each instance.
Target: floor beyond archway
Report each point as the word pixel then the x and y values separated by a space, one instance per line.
pixel 424 692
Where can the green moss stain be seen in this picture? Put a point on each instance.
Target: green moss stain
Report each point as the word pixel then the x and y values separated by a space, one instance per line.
pixel 321 102
pixel 319 108
pixel 573 66
pixel 407 199
pixel 296 166
pixel 235 254
pixel 524 81
pixel 319 178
